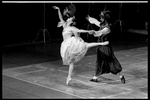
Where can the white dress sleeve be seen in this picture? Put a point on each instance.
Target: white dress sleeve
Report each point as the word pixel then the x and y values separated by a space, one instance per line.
pixel 93 21
pixel 103 31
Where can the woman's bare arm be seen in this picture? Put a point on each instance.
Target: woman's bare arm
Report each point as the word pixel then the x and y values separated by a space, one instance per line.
pixel 59 13
pixel 81 30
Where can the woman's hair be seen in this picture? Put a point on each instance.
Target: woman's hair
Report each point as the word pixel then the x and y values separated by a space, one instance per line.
pixel 69 11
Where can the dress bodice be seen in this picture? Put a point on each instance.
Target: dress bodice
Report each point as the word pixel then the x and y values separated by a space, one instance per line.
pixel 103 38
pixel 67 33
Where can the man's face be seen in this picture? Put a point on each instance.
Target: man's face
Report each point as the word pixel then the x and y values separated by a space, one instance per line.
pixel 101 19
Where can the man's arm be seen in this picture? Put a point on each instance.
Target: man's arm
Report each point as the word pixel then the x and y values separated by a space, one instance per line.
pixel 103 31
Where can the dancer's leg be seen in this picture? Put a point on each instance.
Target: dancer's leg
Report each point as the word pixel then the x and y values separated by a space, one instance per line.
pixel 71 66
pixel 95 77
pixel 89 45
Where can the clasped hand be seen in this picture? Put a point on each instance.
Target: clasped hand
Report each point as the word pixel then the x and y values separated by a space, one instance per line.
pixel 95 33
pixel 91 32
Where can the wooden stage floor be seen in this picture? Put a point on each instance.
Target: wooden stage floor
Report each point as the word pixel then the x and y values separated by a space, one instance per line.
pixel 47 79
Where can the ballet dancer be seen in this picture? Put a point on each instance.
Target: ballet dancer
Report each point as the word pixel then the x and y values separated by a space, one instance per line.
pixel 73 48
pixel 106 61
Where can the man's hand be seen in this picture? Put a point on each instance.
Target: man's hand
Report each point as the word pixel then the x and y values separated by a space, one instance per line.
pixel 91 32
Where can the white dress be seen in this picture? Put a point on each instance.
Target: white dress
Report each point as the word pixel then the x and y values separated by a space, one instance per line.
pixel 72 48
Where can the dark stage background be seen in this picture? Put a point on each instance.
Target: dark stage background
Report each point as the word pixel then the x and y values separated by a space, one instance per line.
pixel 22 22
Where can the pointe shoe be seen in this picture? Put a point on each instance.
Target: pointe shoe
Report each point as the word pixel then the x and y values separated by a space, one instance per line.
pixel 123 80
pixel 68 79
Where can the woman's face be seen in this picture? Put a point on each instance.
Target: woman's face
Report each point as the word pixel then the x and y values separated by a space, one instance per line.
pixel 70 20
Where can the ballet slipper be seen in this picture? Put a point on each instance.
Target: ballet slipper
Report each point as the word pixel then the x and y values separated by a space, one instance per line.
pixel 68 79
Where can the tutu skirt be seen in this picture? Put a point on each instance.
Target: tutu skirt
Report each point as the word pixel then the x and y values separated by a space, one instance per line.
pixel 72 50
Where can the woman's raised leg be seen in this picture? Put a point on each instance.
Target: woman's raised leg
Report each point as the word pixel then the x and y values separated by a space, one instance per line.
pixel 89 45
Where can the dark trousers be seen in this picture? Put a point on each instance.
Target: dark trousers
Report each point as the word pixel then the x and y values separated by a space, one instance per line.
pixel 106 61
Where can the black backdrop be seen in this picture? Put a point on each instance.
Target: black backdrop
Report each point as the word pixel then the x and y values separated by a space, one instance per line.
pixel 22 21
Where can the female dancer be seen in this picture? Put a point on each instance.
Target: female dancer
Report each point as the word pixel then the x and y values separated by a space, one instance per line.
pixel 73 48
pixel 106 60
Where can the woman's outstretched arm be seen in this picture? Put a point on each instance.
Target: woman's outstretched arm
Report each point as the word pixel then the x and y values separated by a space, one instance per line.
pixel 82 30
pixel 59 13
